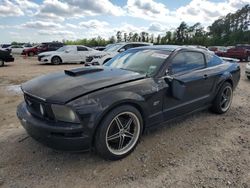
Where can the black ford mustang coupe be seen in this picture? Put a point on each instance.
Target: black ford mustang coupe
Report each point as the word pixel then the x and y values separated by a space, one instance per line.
pixel 108 108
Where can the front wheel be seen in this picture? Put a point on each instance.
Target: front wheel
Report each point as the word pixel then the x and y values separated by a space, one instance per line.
pixel 119 133
pixel 223 99
pixel 1 63
pixel 248 77
pixel 31 54
pixel 56 60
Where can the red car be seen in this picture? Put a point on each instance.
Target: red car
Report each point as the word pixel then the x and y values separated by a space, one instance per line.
pixel 239 52
pixel 31 51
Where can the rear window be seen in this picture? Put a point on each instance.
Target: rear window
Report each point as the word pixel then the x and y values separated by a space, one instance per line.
pixel 80 48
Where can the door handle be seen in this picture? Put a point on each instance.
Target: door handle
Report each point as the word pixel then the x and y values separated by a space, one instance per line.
pixel 205 76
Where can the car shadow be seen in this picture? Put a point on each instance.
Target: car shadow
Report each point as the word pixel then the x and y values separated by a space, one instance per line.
pixel 172 142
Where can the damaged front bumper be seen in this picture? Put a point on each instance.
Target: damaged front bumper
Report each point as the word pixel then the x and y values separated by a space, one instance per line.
pixel 57 135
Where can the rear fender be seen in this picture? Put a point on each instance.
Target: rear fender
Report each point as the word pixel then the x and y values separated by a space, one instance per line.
pixel 226 76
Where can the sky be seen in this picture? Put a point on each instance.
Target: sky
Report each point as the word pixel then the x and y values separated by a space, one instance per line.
pixel 50 20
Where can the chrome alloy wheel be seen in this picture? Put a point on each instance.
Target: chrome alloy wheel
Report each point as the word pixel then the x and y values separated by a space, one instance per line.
pixel 123 133
pixel 226 98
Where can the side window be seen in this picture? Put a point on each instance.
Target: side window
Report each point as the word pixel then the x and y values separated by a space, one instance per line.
pixel 51 46
pixel 80 48
pixel 128 46
pixel 138 45
pixel 185 61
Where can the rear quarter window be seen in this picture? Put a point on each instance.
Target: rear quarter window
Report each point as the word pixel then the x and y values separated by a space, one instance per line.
pixel 80 48
pixel 213 60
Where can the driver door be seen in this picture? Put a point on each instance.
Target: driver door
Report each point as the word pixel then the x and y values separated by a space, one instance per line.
pixel 190 81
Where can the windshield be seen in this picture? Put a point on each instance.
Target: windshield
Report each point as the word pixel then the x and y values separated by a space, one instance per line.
pixel 113 47
pixel 142 61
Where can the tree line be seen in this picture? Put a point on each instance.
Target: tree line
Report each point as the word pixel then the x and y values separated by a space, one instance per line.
pixel 228 30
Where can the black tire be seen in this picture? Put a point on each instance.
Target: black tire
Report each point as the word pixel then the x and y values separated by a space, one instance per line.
pixel 31 54
pixel 223 102
pixel 1 63
pixel 248 77
pixel 105 143
pixel 56 60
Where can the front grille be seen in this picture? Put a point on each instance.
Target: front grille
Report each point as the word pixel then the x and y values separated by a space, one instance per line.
pixel 89 59
pixel 33 106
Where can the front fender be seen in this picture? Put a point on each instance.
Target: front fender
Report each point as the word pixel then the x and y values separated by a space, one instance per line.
pixel 96 107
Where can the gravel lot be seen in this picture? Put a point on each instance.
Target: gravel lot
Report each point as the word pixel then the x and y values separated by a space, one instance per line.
pixel 200 150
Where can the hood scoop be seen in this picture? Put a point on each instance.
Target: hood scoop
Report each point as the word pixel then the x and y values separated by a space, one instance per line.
pixel 82 71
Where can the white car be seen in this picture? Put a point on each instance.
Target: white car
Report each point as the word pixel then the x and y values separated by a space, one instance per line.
pixel 248 70
pixel 101 57
pixel 66 54
pixel 17 49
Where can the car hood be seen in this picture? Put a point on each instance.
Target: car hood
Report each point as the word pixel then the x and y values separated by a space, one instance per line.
pixel 103 53
pixel 65 86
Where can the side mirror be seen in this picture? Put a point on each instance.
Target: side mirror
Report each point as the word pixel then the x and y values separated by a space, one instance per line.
pixel 177 87
pixel 167 76
pixel 122 50
pixel 66 51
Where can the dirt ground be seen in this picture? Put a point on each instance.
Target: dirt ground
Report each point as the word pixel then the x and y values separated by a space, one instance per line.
pixel 200 150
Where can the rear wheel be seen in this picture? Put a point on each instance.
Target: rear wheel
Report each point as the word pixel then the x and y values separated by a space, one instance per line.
pixel 31 54
pixel 223 99
pixel 1 63
pixel 119 133
pixel 56 60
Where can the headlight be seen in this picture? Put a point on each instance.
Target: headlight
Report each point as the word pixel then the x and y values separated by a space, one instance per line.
pixel 98 56
pixel 64 113
pixel 41 109
pixel 42 56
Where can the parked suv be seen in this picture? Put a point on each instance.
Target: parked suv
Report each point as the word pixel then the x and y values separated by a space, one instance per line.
pixel 49 46
pixel 109 52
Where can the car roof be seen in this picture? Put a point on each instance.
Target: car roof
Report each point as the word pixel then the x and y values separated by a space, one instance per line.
pixel 160 47
pixel 134 43
pixel 172 48
pixel 78 46
pixel 51 43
